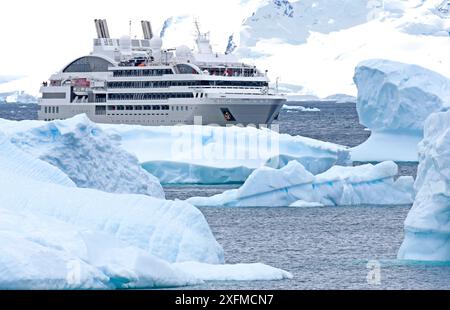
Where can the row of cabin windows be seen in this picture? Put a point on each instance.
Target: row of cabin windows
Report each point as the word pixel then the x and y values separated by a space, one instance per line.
pixel 51 109
pixel 139 108
pixel 142 72
pixel 166 84
pixel 149 96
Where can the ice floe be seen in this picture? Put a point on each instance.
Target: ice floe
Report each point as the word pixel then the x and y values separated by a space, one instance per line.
pixel 293 185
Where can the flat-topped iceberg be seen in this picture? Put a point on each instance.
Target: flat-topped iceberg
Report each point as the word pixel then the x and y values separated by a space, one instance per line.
pixel 427 227
pixel 294 186
pixel 85 153
pixel 214 155
pixel 394 100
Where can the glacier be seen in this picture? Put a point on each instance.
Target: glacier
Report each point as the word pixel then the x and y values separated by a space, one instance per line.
pixel 98 240
pixel 328 39
pixel 87 155
pixel 294 186
pixel 217 155
pixel 427 226
pixel 394 100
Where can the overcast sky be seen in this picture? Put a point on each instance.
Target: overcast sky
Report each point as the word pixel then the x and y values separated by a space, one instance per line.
pixel 40 37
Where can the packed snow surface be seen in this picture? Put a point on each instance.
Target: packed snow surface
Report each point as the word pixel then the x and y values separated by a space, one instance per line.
pixel 394 100
pixel 427 227
pixel 294 186
pixel 207 154
pixel 85 153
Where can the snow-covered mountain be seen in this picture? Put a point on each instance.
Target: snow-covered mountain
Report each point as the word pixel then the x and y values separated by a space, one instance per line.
pixel 313 46
pixel 17 97
pixel 319 43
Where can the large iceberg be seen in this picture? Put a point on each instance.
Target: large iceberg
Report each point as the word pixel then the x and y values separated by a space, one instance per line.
pixel 85 153
pixel 294 186
pixel 427 227
pixel 216 155
pixel 54 235
pixel 394 100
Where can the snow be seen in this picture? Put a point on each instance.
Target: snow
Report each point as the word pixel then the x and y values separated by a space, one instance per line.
pixel 87 155
pixel 308 51
pixel 237 272
pixel 427 226
pixel 306 204
pixel 394 100
pixel 339 186
pixel 217 155
pixel 300 108
pixel 18 97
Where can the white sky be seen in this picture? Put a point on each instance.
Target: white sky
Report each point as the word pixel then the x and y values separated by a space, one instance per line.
pixel 40 37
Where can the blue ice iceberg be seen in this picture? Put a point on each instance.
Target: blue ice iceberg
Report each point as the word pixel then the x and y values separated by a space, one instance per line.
pixel 394 100
pixel 217 155
pixel 427 227
pixel 54 235
pixel 85 153
pixel 294 186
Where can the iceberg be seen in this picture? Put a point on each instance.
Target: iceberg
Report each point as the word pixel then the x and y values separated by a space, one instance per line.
pixel 217 155
pixel 173 231
pixel 294 186
pixel 299 108
pixel 394 100
pixel 427 226
pixel 78 258
pixel 85 153
pixel 97 240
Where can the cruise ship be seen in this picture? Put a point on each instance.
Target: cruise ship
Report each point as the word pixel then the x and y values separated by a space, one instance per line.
pixel 136 81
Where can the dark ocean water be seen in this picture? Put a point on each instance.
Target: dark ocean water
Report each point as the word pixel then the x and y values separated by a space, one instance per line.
pixel 324 248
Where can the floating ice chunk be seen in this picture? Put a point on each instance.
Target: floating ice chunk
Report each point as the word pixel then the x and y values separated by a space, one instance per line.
pixel 427 227
pixel 300 108
pixel 394 100
pixel 306 204
pixel 237 272
pixel 89 156
pixel 213 155
pixel 268 187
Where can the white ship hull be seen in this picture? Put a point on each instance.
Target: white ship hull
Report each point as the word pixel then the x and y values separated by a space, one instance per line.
pixel 181 111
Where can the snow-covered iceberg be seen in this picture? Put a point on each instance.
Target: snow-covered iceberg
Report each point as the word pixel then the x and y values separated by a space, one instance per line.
pixel 394 100
pixel 427 227
pixel 294 186
pixel 85 153
pixel 216 155
pixel 54 235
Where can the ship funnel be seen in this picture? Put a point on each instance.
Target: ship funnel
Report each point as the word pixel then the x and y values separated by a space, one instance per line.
pixel 147 29
pixel 102 28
